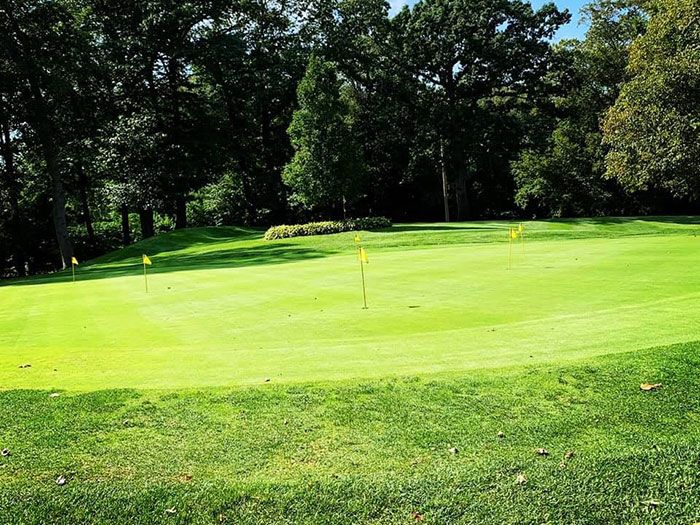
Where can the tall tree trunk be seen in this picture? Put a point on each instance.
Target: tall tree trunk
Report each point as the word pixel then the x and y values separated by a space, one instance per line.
pixel 15 222
pixel 232 113
pixel 443 169
pixel 85 204
pixel 40 119
pixel 60 220
pixel 462 195
pixel 146 216
pixel 126 228
pixel 180 213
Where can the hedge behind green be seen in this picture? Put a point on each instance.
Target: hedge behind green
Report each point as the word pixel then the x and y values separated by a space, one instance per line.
pixel 324 228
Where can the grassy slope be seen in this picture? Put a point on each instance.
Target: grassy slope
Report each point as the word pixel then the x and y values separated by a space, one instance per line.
pixel 235 314
pixel 372 445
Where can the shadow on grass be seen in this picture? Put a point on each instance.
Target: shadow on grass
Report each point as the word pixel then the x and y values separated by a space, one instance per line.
pixel 173 252
pixel 180 240
pixel 129 264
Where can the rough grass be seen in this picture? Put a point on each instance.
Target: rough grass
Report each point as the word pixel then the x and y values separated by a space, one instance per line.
pixel 368 452
pixel 164 414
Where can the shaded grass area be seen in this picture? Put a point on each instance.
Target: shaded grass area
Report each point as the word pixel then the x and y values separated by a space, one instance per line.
pixel 235 247
pixel 368 451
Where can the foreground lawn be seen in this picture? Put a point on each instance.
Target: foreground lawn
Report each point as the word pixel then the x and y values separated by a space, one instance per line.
pixel 368 451
pixel 250 387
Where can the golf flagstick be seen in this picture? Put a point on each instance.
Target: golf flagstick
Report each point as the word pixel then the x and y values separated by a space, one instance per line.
pixel 73 264
pixel 362 256
pixel 363 260
pixel 510 248
pixel 146 263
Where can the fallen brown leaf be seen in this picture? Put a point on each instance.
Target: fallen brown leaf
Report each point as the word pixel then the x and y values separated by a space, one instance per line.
pixel 521 479
pixel 648 387
pixel 417 516
pixel 542 452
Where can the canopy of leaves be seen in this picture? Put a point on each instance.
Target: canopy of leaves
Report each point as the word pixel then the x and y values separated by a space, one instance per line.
pixel 653 130
pixel 327 167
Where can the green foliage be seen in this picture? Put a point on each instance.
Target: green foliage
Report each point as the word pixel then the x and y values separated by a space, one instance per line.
pixel 562 181
pixel 331 108
pixel 477 68
pixel 221 203
pixel 562 174
pixel 653 130
pixel 327 227
pixel 108 237
pixel 327 166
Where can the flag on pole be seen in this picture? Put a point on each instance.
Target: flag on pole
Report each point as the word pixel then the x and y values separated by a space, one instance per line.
pixel 73 264
pixel 512 235
pixel 364 259
pixel 146 263
pixel 363 256
pixel 521 231
pixel 357 238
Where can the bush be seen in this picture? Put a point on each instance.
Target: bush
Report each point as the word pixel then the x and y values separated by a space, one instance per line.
pixel 327 227
pixel 219 204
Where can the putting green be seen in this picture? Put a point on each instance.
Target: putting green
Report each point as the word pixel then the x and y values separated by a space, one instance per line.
pixel 226 307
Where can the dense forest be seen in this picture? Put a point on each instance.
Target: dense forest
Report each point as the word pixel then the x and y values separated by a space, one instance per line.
pixel 120 120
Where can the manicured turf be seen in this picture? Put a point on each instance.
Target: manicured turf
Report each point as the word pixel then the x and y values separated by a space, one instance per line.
pixel 165 402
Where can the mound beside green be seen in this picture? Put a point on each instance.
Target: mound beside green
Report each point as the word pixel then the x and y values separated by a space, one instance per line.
pixel 227 308
pixel 249 386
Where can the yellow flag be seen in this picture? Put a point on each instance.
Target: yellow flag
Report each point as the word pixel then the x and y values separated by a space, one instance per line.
pixel 521 228
pixel 146 260
pixel 513 233
pixel 363 256
pixel 74 261
pixel 357 238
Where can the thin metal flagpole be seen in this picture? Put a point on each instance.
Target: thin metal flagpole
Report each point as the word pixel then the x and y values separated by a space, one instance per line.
pixel 510 248
pixel 145 275
pixel 362 271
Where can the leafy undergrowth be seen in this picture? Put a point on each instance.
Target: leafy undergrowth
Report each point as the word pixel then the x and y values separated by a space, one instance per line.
pixel 394 451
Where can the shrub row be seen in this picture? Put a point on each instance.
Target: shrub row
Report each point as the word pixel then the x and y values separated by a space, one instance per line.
pixel 327 227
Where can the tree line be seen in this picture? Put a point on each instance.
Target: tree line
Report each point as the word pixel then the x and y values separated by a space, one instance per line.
pixel 122 119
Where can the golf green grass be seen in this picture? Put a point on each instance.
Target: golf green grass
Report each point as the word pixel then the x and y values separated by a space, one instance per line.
pixel 249 385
